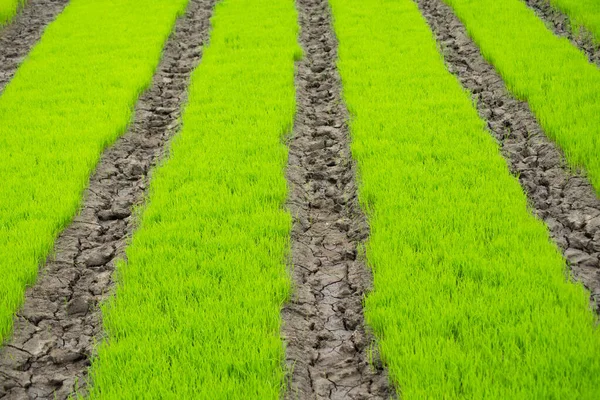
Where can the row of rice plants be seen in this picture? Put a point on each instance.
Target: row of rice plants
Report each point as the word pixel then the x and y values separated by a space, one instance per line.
pixel 8 9
pixel 581 13
pixel 196 313
pixel 71 98
pixel 556 79
pixel 470 296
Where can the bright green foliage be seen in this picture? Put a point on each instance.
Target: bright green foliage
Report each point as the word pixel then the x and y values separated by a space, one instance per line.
pixel 584 13
pixel 71 98
pixel 556 79
pixel 470 298
pixel 8 9
pixel 196 313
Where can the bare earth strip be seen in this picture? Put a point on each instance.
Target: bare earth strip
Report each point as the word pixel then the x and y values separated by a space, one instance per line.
pixel 560 25
pixel 19 36
pixel 564 200
pixel 327 345
pixel 54 334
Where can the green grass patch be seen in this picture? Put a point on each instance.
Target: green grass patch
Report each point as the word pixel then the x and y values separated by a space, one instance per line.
pixel 470 296
pixel 581 13
pixel 8 9
pixel 70 99
pixel 555 78
pixel 196 313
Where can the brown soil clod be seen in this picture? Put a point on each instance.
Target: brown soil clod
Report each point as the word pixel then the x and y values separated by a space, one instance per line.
pixel 559 23
pixel 327 344
pixel 49 353
pixel 19 36
pixel 564 200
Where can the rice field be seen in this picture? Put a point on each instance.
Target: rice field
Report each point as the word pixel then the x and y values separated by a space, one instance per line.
pixel 70 99
pixel 186 319
pixel 321 151
pixel 453 308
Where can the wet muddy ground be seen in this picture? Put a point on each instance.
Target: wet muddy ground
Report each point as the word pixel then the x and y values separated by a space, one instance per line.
pixel 565 201
pixel 55 331
pixel 19 36
pixel 560 25
pixel 327 344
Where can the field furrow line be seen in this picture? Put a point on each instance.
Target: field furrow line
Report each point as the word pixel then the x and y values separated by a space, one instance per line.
pixel 328 347
pixel 565 200
pixel 19 36
pixel 56 330
pixel 560 24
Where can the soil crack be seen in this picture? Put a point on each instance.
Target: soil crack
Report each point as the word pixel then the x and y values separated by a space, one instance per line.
pixel 323 324
pixel 55 331
pixel 565 201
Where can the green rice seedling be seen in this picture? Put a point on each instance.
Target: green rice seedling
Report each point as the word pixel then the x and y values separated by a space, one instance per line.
pixel 72 97
pixel 196 311
pixel 470 296
pixel 560 85
pixel 8 9
pixel 581 13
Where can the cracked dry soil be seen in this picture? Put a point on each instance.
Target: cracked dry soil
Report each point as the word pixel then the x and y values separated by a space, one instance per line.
pixel 54 333
pixel 19 36
pixel 327 344
pixel 565 201
pixel 559 23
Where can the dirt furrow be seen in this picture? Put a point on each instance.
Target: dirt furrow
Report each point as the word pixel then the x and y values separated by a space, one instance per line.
pixel 560 25
pixel 55 331
pixel 19 36
pixel 563 199
pixel 328 349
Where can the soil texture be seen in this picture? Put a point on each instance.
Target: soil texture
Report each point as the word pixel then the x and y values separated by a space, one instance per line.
pixel 56 330
pixel 19 36
pixel 565 200
pixel 560 24
pixel 327 343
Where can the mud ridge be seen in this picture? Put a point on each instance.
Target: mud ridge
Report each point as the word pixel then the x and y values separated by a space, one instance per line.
pixel 560 24
pixel 55 331
pixel 19 36
pixel 327 344
pixel 565 201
